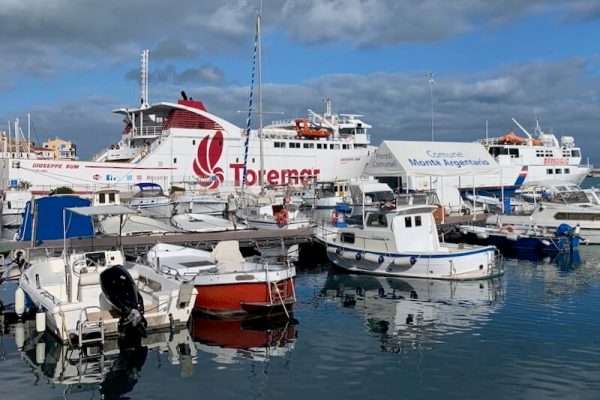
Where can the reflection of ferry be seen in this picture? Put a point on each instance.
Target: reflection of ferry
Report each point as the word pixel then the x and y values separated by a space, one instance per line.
pixel 182 142
pixel 415 312
pixel 112 369
pixel 231 340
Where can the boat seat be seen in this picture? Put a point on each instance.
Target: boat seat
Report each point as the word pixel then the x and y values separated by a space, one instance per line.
pixel 90 290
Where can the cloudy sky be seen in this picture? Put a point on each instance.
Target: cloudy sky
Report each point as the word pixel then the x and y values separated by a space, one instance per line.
pixel 69 63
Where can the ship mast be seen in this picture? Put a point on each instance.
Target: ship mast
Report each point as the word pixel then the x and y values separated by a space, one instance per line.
pixel 260 105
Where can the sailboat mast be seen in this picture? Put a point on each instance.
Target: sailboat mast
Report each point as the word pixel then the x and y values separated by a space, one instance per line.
pixel 260 105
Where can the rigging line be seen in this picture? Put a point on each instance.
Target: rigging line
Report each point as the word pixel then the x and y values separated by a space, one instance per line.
pixel 248 120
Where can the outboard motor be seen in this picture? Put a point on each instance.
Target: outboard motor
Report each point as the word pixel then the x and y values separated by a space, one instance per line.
pixel 120 291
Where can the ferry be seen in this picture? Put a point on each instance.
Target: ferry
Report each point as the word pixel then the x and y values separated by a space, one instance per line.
pixel 529 160
pixel 170 142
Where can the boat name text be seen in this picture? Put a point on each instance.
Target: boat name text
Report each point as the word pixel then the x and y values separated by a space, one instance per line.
pixel 273 176
pixel 556 161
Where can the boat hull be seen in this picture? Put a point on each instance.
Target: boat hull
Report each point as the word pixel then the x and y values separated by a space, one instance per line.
pixel 230 298
pixel 454 264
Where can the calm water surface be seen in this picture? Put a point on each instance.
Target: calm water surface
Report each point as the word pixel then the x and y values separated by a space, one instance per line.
pixel 532 334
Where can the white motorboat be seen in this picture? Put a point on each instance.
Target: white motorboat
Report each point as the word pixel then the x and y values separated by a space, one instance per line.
pixel 565 204
pixel 273 217
pixel 150 200
pixel 75 293
pixel 208 203
pixel 327 194
pixel 88 296
pixel 191 222
pixel 227 283
pixel 404 242
pixel 14 202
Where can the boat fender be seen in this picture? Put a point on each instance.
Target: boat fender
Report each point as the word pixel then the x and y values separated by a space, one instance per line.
pixel 358 256
pixel 482 235
pixel 40 321
pixel 143 153
pixel 577 229
pixel 334 217
pixel 283 217
pixel 413 260
pixel 349 255
pixel 381 259
pixel 339 251
pixel 19 301
pixel 545 242
pixel 512 236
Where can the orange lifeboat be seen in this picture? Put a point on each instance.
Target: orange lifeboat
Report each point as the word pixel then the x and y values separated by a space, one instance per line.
pixel 511 138
pixel 304 130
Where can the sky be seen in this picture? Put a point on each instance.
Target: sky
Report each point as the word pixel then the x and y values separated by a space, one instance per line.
pixel 69 63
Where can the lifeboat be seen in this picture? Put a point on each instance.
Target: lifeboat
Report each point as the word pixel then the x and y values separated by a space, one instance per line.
pixel 511 138
pixel 304 130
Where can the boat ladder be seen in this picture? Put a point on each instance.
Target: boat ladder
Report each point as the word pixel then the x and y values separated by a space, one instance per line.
pixel 278 288
pixel 90 331
pixel 91 367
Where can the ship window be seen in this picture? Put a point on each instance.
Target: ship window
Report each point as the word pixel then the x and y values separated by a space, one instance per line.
pixel 558 171
pixel 308 145
pixel 575 153
pixel 111 197
pixel 418 220
pixel 345 146
pixel 319 145
pixel 175 160
pixel 294 145
pixel 101 198
pixel 567 171
pixel 193 142
pixel 407 222
pixel 376 220
pixel 253 159
pixel 279 144
pixel 347 237
pixel 549 171
pixel 514 153
pixel 334 146
pixel 237 160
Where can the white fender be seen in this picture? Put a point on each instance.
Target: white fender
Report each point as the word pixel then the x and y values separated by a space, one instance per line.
pixel 545 242
pixel 372 257
pixel 482 235
pixel 40 321
pixel 19 301
pixel 351 255
pixel 512 236
pixel 402 261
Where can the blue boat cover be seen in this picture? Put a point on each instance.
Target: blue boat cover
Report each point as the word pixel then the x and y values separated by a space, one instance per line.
pixel 50 219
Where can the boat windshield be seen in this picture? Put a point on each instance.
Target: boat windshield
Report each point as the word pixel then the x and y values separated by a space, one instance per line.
pixel 575 197
pixel 417 199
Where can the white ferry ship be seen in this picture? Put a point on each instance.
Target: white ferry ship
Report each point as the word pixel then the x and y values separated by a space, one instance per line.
pixel 524 161
pixel 169 142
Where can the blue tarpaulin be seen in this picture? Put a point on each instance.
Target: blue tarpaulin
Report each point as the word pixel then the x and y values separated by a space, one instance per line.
pixel 49 219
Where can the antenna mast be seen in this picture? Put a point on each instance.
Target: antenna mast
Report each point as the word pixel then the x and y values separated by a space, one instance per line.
pixel 144 79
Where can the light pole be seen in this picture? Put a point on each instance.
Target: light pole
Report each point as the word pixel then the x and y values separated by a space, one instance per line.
pixel 431 82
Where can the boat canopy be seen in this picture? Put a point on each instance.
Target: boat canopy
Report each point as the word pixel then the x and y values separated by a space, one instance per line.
pixel 111 209
pixel 398 158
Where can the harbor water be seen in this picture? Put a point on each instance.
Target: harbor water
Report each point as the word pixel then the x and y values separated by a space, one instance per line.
pixel 530 334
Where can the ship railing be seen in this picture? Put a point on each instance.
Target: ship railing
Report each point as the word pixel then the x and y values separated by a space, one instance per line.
pixel 150 131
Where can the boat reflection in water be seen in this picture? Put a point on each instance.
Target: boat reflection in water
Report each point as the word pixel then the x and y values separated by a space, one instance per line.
pixel 412 313
pixel 232 340
pixel 112 369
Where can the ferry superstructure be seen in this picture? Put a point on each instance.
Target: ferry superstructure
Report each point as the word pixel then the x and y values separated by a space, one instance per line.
pixel 171 142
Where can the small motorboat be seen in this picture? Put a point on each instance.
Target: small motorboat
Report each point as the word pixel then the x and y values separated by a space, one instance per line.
pixel 227 283
pixel 404 242
pixel 509 238
pixel 88 296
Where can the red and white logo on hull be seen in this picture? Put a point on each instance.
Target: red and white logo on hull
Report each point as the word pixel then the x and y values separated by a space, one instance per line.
pixel 207 158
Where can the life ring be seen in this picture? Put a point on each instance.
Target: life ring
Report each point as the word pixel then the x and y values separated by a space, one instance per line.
pixel 334 217
pixel 144 153
pixel 283 217
pixel 287 200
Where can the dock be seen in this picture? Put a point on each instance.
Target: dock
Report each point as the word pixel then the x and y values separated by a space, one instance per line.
pixel 249 238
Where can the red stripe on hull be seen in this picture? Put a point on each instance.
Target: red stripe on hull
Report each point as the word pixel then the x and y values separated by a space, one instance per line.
pixel 227 299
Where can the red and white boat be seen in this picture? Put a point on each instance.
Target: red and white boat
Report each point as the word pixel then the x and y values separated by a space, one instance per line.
pixel 227 283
